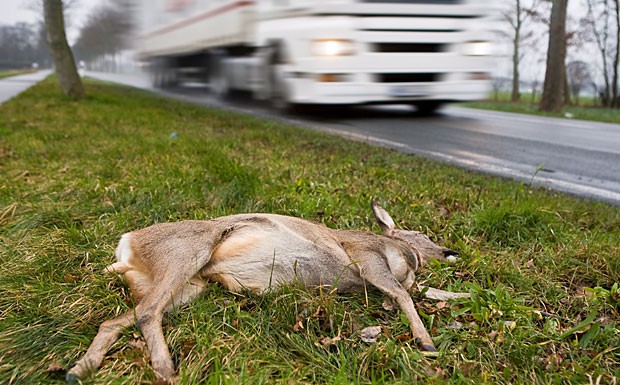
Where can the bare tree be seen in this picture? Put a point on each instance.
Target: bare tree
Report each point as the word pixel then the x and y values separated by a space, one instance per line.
pixel 62 56
pixel 555 74
pixel 107 31
pixel 516 15
pixel 603 24
pixel 20 46
pixel 578 75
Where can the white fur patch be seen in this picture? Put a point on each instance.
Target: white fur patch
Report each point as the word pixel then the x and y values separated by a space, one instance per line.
pixel 398 265
pixel 452 258
pixel 123 250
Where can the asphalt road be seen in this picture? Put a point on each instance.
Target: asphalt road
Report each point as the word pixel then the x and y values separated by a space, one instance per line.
pixel 578 157
pixel 13 85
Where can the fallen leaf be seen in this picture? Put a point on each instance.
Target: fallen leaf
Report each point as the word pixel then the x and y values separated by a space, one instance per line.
pixel 327 341
pixel 70 278
pixel 510 325
pixel 55 367
pixel 403 337
pixel 456 325
pixel 389 305
pixel 436 372
pixel 137 343
pixel 371 334
pixel 529 263
pixel 299 326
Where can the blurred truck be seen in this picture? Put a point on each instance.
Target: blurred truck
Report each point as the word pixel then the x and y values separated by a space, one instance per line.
pixel 419 52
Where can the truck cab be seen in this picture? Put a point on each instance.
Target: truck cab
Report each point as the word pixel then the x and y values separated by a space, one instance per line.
pixel 419 52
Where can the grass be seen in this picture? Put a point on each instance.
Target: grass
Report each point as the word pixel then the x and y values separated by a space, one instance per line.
pixel 586 110
pixel 543 268
pixel 9 73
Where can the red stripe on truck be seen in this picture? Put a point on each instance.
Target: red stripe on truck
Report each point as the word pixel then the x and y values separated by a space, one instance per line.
pixel 203 16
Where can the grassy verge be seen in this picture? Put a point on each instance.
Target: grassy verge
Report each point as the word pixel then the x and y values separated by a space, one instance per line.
pixel 585 111
pixel 78 174
pixel 9 73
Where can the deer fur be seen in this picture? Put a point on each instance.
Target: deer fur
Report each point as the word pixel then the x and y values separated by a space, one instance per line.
pixel 168 264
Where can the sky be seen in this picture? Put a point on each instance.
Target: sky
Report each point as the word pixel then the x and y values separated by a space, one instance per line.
pixel 14 11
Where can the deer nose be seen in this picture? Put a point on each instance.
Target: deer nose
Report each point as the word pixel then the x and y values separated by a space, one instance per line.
pixel 451 255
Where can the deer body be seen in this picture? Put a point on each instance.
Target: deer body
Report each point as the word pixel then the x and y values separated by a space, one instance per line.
pixel 168 264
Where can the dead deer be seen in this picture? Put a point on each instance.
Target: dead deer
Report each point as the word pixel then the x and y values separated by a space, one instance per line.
pixel 168 264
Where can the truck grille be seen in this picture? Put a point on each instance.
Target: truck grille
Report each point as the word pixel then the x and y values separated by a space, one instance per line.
pixel 408 78
pixel 409 47
pixel 447 2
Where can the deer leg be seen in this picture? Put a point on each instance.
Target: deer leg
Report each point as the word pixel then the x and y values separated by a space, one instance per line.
pixel 109 332
pixel 380 276
pixel 150 313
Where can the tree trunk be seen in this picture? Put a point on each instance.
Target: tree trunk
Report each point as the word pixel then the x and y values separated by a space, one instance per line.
pixel 66 70
pixel 601 38
pixel 553 90
pixel 615 100
pixel 515 55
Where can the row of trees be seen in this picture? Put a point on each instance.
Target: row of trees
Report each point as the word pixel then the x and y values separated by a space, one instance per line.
pixel 591 40
pixel 22 45
pixel 106 32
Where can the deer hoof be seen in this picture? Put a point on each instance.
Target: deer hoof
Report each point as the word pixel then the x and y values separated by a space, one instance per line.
pixel 72 379
pixel 429 348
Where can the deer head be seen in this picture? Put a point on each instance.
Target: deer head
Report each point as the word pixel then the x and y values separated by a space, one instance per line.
pixel 426 248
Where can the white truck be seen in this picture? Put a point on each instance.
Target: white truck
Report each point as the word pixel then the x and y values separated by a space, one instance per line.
pixel 418 52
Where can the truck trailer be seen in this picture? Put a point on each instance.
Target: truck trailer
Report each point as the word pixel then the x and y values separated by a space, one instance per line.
pixel 419 52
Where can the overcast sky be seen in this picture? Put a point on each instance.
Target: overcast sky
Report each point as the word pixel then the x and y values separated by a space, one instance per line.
pixel 14 11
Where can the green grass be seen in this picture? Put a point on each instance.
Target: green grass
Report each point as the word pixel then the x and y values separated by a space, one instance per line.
pixel 586 110
pixel 9 73
pixel 76 175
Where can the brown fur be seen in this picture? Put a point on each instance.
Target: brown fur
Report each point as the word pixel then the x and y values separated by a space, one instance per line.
pixel 168 264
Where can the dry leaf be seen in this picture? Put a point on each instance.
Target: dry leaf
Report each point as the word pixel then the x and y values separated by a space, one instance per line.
pixel 510 325
pixel 137 343
pixel 327 341
pixel 70 278
pixel 529 263
pixel 371 334
pixel 55 367
pixel 389 305
pixel 456 325
pixel 299 326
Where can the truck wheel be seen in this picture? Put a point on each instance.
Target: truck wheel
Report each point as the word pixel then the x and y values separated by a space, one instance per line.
pixel 280 94
pixel 427 107
pixel 220 84
pixel 163 75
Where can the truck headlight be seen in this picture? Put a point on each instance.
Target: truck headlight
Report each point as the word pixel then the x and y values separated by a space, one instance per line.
pixel 333 47
pixel 477 48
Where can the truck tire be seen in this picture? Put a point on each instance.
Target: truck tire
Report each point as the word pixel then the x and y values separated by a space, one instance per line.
pixel 163 74
pixel 219 81
pixel 280 94
pixel 427 107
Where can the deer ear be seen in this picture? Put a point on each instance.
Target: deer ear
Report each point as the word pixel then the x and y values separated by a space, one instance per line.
pixel 385 220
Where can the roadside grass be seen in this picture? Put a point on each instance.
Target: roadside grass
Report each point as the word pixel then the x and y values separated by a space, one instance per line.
pixel 586 110
pixel 543 268
pixel 9 73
